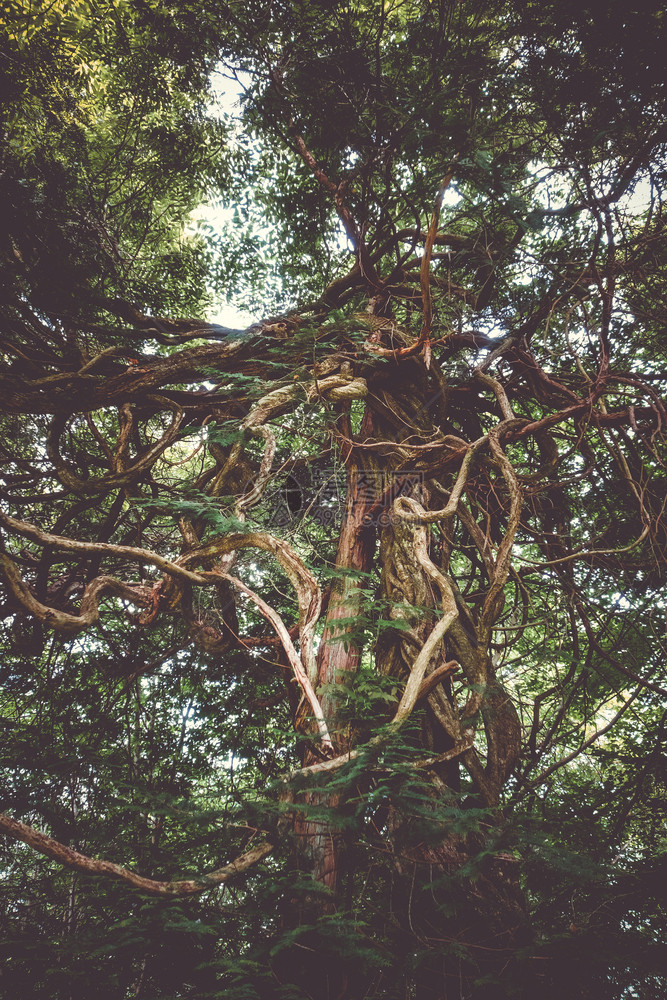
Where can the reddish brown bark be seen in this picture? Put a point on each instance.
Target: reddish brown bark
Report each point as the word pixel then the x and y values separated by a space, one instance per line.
pixel 319 847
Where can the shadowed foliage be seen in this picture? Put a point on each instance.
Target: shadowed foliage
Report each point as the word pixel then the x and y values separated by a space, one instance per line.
pixel 333 647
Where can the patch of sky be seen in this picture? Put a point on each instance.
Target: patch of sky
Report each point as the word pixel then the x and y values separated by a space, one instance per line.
pixel 213 216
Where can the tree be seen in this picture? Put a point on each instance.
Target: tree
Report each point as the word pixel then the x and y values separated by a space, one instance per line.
pixel 358 610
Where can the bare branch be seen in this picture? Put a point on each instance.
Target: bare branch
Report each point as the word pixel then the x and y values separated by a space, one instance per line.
pixel 92 866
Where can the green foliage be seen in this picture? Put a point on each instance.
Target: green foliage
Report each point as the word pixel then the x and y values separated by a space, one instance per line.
pixel 108 148
pixel 129 742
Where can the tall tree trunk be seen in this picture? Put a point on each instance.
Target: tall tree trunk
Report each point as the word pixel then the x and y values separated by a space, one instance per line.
pixel 464 930
pixel 319 847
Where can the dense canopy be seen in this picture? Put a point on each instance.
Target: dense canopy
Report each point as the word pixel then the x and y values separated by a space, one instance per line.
pixel 333 647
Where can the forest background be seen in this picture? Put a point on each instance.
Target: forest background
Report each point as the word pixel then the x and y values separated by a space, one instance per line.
pixel 333 646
